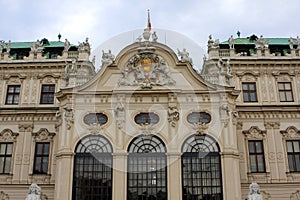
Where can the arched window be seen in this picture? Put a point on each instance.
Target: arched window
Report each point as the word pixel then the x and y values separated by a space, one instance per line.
pixel 201 168
pixel 147 169
pixel 92 178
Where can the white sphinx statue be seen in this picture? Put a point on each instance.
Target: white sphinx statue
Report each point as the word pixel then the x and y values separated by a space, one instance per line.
pixel 254 193
pixel 34 192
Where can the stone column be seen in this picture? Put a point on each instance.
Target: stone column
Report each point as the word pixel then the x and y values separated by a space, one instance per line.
pixel 275 151
pixel 64 172
pixel 174 176
pixel 119 176
pixel 24 154
pixel 231 176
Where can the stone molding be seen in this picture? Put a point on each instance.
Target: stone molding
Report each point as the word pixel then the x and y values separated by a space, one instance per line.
pixel 25 127
pixel 295 196
pixel 270 125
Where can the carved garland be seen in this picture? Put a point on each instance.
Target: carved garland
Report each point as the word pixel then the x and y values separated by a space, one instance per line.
pixel 8 135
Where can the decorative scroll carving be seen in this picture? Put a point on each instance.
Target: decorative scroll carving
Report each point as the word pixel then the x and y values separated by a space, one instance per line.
pixel 173 115
pixel 25 127
pixel 291 133
pixel 3 196
pixel 146 69
pixel 8 136
pixel 255 132
pixel 95 129
pixel 43 135
pixel 200 128
pixel 270 125
pixel 146 130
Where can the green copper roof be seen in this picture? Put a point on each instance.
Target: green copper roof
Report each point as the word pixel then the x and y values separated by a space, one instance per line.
pixel 272 41
pixel 25 45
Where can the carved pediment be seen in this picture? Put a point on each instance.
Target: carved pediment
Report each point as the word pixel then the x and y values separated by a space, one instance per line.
pixel 291 133
pixel 255 133
pixel 43 135
pixel 146 69
pixel 8 136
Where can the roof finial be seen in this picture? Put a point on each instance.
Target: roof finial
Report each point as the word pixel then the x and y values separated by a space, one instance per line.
pixel 238 33
pixel 149 23
pixel 59 36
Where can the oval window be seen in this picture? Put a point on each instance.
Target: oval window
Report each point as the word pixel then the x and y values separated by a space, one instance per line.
pixel 199 117
pixel 146 118
pixel 95 118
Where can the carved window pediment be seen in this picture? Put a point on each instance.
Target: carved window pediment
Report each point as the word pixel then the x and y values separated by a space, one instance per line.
pixel 291 133
pixel 8 135
pixel 255 133
pixel 248 76
pixel 43 135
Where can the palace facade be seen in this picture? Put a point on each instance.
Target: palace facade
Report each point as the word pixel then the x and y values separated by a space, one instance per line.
pixel 148 125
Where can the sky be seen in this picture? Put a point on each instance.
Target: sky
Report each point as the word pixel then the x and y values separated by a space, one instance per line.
pixel 100 20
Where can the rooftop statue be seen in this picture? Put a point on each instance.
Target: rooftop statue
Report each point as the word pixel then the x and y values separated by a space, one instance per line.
pixel 107 58
pixel 298 42
pixel 154 36
pixel 8 46
pixel 34 192
pixel 212 44
pixel 261 43
pixel 67 45
pixel 1 46
pixel 291 43
pixel 84 46
pixel 231 42
pixel 37 47
pixel 185 56
pixel 254 193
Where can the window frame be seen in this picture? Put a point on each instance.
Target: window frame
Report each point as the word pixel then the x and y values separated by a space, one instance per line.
pixel 6 156
pixel 42 156
pixel 93 156
pixel 150 118
pixel 47 94
pixel 14 94
pixel 201 168
pixel 248 92
pixel 256 154
pixel 285 91
pixel 296 168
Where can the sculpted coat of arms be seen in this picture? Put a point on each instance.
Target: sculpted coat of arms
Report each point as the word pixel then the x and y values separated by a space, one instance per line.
pixel 146 70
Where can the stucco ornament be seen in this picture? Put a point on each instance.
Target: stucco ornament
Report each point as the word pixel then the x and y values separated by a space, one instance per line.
pixel 254 193
pixel 34 192
pixel 146 69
